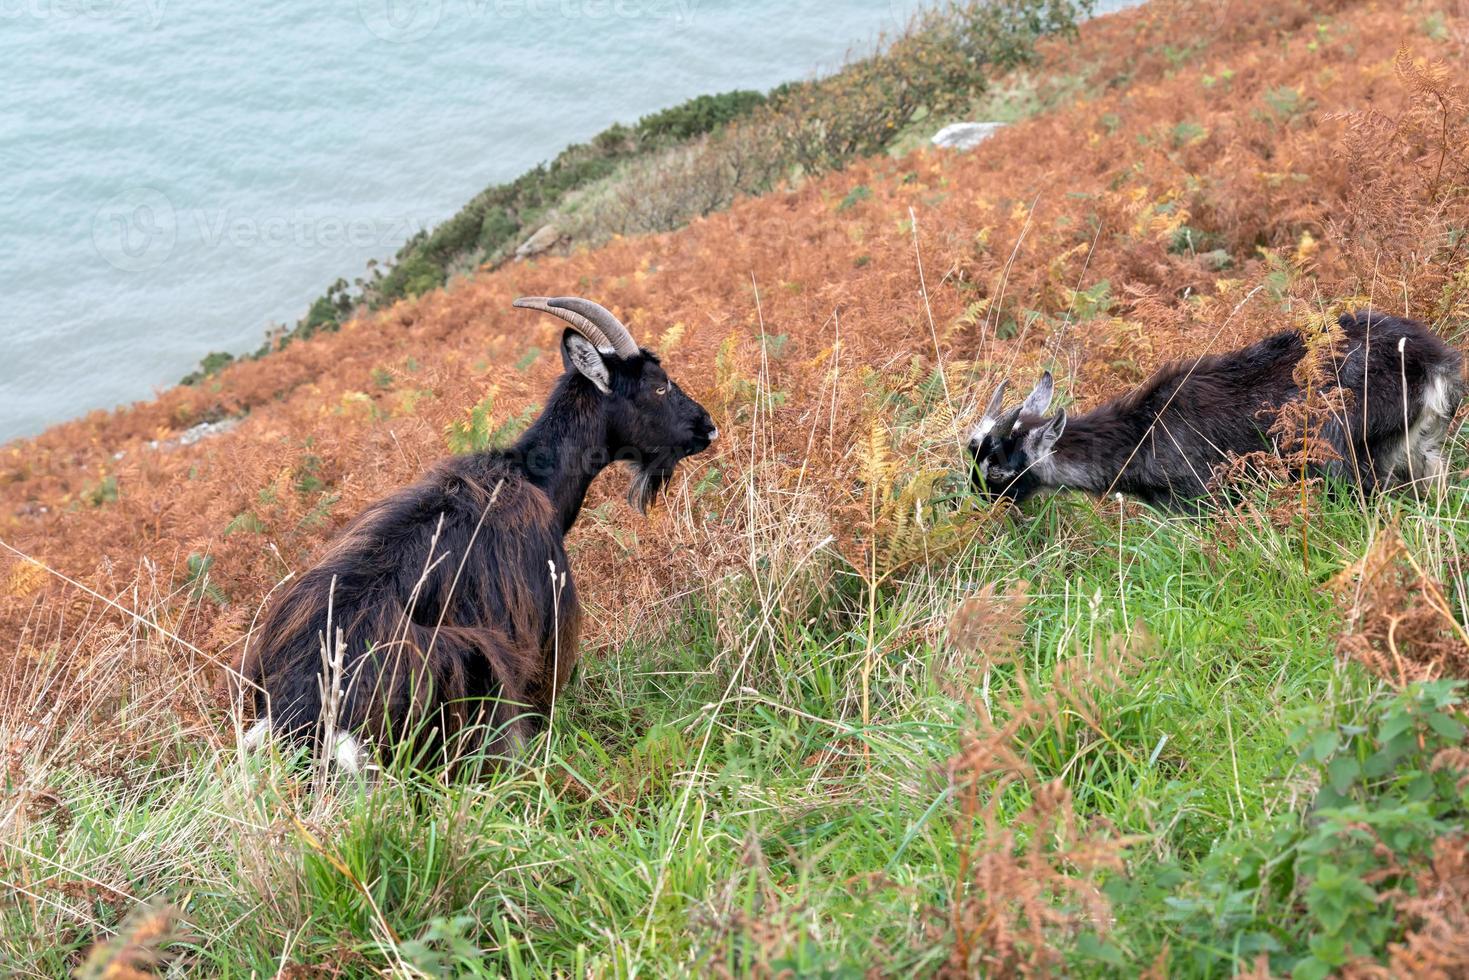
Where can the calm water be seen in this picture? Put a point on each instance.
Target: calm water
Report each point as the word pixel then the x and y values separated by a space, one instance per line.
pixel 175 175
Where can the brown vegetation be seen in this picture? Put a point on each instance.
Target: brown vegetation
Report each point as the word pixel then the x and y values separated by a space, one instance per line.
pixel 1227 169
pixel 1027 872
pixel 1238 144
pixel 1397 620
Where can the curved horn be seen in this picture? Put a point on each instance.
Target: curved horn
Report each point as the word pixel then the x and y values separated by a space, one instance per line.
pixel 579 323
pixel 602 317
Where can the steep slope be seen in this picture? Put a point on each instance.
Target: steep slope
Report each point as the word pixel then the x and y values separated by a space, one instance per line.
pixel 1204 153
pixel 835 718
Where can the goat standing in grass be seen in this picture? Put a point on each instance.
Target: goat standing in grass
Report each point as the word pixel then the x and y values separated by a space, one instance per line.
pixel 453 599
pixel 1163 441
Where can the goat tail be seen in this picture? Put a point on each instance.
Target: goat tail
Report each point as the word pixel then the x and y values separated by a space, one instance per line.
pixel 450 691
pixel 1443 393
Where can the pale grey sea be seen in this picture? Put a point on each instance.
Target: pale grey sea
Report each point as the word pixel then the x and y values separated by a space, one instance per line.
pixel 175 175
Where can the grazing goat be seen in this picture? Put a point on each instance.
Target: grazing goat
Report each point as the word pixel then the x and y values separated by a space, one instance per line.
pixel 1162 441
pixel 457 613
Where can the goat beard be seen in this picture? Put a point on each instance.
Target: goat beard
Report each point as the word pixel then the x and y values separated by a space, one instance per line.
pixel 648 480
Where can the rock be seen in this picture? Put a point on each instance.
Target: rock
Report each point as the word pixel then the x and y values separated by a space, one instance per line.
pixel 965 135
pixel 188 437
pixel 543 240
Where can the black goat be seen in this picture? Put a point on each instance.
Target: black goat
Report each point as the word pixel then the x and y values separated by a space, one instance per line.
pixel 1162 441
pixel 453 599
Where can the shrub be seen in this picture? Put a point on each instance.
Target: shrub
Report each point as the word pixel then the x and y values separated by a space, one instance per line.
pixel 698 116
pixel 212 364
pixel 1311 895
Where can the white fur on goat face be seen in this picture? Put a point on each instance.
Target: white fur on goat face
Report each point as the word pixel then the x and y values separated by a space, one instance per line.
pixel 981 429
pixel 981 447
pixel 1026 451
pixel 1005 446
pixel 1035 441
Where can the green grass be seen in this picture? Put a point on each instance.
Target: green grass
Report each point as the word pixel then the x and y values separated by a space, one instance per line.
pixel 709 798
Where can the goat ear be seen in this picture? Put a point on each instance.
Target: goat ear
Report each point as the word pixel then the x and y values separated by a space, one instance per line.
pixel 990 418
pixel 578 354
pixel 997 401
pixel 1039 398
pixel 1050 432
pixel 1006 423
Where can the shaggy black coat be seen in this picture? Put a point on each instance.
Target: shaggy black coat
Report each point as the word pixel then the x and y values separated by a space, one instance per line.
pixel 1163 441
pixel 453 596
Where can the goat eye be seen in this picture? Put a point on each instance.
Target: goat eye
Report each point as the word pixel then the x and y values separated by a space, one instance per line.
pixel 662 390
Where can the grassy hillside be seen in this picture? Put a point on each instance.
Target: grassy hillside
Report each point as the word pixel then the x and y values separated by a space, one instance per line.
pixel 833 718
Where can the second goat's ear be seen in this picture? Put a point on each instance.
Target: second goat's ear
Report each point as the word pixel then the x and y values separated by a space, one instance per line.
pixel 1039 398
pixel 1047 435
pixel 578 354
pixel 997 402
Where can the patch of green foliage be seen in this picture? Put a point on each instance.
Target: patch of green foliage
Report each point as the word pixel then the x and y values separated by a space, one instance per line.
pixel 482 431
pixel 1314 889
pixel 245 522
pixel 197 579
pixel 708 798
pixel 307 474
pixel 1187 240
pixel 1287 105
pixel 104 491
pixel 1187 132
pixel 699 115
pixel 212 364
pixel 854 197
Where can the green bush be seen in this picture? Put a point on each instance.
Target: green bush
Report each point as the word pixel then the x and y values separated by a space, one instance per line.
pixel 497 229
pixel 699 115
pixel 1334 876
pixel 212 364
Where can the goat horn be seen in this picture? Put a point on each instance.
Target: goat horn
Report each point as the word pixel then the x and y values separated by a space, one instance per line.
pixel 1006 424
pixel 622 341
pixel 579 323
pixel 591 320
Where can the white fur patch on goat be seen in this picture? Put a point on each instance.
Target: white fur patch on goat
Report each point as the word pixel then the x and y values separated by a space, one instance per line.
pixel 977 434
pixel 1436 396
pixel 258 736
pixel 347 753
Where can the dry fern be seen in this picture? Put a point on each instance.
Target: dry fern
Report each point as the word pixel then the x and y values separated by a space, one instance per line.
pixel 1396 620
